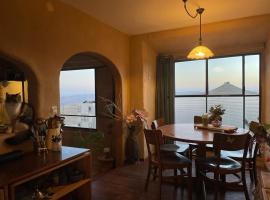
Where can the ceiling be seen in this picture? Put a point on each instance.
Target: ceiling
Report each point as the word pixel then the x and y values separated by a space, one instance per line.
pixel 143 16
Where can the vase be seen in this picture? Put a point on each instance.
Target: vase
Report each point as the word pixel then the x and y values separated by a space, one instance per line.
pixel 205 119
pixel 131 147
pixel 266 152
pixel 52 132
pixel 216 123
pixel 56 146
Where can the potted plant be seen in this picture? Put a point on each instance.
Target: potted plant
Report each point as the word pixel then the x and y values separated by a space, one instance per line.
pixel 134 122
pixel 262 135
pixel 215 115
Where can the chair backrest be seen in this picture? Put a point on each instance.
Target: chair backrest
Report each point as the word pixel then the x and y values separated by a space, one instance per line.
pixel 197 119
pixel 153 138
pixel 255 128
pixel 157 123
pixel 229 142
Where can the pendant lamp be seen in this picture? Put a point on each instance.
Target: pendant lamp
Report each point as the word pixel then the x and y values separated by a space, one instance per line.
pixel 200 51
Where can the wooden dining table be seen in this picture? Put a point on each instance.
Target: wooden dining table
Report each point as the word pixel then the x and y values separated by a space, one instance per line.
pixel 189 133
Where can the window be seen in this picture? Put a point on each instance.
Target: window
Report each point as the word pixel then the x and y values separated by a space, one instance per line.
pixel 233 82
pixel 77 98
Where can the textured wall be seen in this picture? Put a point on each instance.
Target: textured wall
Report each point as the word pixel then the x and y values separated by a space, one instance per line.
pixel 44 36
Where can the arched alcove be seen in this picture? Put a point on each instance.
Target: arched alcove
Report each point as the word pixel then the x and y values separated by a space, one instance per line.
pixel 12 69
pixel 108 85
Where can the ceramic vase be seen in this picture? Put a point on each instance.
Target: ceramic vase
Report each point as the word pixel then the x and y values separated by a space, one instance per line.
pixel 131 146
pixel 266 152
pixel 54 146
pixel 216 123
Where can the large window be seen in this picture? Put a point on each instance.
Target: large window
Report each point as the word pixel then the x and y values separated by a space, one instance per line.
pixel 77 98
pixel 233 82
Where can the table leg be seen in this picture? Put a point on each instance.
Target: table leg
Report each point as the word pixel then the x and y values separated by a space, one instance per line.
pixel 200 153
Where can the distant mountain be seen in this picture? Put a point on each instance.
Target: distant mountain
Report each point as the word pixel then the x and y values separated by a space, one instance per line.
pixel 80 98
pixel 225 89
pixel 228 88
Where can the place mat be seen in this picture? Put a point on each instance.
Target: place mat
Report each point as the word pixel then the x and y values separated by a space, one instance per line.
pixel 222 128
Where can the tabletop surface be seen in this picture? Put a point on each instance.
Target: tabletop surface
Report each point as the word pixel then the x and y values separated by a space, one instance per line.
pixel 32 163
pixel 188 133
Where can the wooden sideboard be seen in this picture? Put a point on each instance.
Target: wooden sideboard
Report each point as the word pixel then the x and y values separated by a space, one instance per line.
pixel 31 167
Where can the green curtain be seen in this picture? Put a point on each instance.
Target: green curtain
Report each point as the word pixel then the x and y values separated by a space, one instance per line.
pixel 165 88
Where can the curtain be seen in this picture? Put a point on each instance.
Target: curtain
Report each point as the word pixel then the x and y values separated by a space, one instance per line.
pixel 165 88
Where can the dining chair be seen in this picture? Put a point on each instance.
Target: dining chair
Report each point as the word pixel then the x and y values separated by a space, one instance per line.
pixel 162 161
pixel 182 148
pixel 198 120
pixel 252 152
pixel 220 166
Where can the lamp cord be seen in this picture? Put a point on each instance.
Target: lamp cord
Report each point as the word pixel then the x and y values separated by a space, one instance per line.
pixel 200 39
pixel 192 16
pixel 199 11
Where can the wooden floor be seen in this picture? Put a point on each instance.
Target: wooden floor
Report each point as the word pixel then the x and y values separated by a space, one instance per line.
pixel 127 183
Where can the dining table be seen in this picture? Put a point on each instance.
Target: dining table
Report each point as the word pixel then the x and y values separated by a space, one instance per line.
pixel 190 133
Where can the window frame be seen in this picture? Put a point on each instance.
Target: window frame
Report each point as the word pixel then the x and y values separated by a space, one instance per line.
pixel 206 95
pixel 94 116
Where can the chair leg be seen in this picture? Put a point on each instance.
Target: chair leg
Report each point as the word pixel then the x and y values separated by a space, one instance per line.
pixel 155 174
pixel 160 183
pixel 190 152
pixel 245 184
pixel 175 177
pixel 254 168
pixel 148 177
pixel 189 169
pixel 250 166
pixel 216 178
pixel 223 178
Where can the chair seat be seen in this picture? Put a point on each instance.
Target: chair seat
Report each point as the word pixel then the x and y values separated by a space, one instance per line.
pixel 172 160
pixel 237 155
pixel 179 147
pixel 169 147
pixel 226 164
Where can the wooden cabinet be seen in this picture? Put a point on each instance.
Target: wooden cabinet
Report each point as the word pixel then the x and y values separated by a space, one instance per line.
pixel 2 194
pixel 32 167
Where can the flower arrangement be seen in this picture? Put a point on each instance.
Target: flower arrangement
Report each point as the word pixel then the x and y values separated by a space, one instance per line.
pixel 134 123
pixel 261 131
pixel 216 112
pixel 136 117
pixel 112 111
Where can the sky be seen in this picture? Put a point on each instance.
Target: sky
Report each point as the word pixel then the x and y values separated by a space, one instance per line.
pixel 190 75
pixel 77 82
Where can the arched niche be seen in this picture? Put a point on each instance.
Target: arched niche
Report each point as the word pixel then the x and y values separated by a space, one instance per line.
pixel 104 71
pixel 21 77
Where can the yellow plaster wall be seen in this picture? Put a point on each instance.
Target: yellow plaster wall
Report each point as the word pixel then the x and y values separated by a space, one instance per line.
pixel 45 37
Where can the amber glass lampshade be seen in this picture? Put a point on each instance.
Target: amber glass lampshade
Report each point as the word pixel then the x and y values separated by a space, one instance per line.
pixel 200 52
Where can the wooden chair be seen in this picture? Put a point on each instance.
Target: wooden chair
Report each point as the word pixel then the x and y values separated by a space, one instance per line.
pixel 198 120
pixel 182 148
pixel 252 152
pixel 166 161
pixel 221 166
